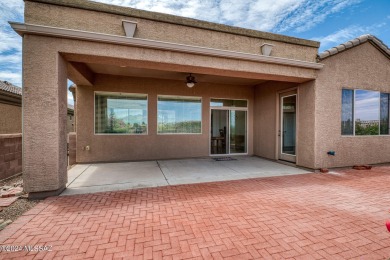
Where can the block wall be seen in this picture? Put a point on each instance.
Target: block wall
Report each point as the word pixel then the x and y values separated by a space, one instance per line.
pixel 10 155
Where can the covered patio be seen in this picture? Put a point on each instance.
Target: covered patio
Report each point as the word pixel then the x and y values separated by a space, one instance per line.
pixel 253 94
pixel 90 178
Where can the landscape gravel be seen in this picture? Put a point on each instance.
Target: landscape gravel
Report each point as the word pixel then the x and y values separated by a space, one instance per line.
pixel 16 209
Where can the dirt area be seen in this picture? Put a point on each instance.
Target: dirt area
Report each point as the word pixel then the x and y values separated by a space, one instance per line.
pixel 19 206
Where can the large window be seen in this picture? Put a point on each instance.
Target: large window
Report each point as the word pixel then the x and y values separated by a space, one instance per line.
pixel 179 115
pixel 384 114
pixel 121 113
pixel 364 112
pixel 347 112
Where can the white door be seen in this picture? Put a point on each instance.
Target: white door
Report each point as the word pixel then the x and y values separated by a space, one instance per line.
pixel 287 127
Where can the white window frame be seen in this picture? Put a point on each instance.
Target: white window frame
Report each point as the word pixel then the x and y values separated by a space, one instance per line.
pixel 229 108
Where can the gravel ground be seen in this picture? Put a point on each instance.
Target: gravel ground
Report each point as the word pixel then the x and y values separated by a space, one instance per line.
pixel 20 206
pixel 11 181
pixel 17 209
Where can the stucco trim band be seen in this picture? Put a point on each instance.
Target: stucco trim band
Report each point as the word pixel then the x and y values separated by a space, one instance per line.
pixel 22 29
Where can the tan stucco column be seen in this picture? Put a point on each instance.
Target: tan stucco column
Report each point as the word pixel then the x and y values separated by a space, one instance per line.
pixel 44 119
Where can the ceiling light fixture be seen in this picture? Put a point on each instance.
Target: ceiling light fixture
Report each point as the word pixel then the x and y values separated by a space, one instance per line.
pixel 191 81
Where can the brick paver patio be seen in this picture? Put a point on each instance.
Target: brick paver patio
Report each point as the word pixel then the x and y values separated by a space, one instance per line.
pixel 311 216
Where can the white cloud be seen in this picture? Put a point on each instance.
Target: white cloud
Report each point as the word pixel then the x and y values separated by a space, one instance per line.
pixel 70 98
pixel 310 13
pixel 11 76
pixel 263 15
pixel 10 43
pixel 13 58
pixel 347 34
pixel 267 15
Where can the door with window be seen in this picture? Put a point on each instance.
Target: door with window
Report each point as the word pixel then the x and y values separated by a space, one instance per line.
pixel 228 131
pixel 287 126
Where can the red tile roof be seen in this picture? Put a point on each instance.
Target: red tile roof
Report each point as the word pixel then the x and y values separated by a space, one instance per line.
pixel 8 87
pixel 355 42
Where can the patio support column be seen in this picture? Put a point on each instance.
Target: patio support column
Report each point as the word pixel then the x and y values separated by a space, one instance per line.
pixel 44 119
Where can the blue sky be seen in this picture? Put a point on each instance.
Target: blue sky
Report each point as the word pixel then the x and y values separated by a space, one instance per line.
pixel 329 21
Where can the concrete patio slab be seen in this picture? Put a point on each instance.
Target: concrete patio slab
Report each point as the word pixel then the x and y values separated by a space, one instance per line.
pixel 90 178
pixel 209 170
pixel 114 176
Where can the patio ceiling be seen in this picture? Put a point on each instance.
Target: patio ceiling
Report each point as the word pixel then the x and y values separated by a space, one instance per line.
pixel 169 75
pixel 82 69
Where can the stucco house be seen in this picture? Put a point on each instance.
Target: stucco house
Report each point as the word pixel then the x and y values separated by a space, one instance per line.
pixel 11 129
pixel 10 108
pixel 158 86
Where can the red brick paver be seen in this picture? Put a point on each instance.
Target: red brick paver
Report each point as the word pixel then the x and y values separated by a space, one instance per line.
pixel 4 202
pixel 311 216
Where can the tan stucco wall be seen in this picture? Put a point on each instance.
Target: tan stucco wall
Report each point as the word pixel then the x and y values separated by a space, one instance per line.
pixel 362 67
pixel 152 145
pixel 10 119
pixel 44 118
pixel 265 118
pixel 86 20
pixel 305 125
pixel 266 121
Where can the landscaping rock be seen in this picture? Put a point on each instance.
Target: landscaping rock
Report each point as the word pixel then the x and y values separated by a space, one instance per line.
pixel 5 223
pixel 4 188
pixel 14 191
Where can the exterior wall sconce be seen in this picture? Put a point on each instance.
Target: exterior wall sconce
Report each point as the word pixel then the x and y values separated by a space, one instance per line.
pixel 266 49
pixel 190 81
pixel 129 27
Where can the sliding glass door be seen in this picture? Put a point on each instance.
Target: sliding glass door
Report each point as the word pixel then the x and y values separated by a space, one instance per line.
pixel 228 133
pixel 219 131
pixel 237 133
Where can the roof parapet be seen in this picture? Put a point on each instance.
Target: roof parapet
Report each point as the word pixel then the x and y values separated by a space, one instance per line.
pixel 173 19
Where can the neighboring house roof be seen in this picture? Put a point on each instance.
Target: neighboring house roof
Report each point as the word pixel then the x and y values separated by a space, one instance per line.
pixel 356 42
pixel 8 87
pixel 10 94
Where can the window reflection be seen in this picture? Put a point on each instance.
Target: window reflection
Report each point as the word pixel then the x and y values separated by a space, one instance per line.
pixel 347 112
pixel 179 115
pixel 366 112
pixel 120 114
pixel 384 114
